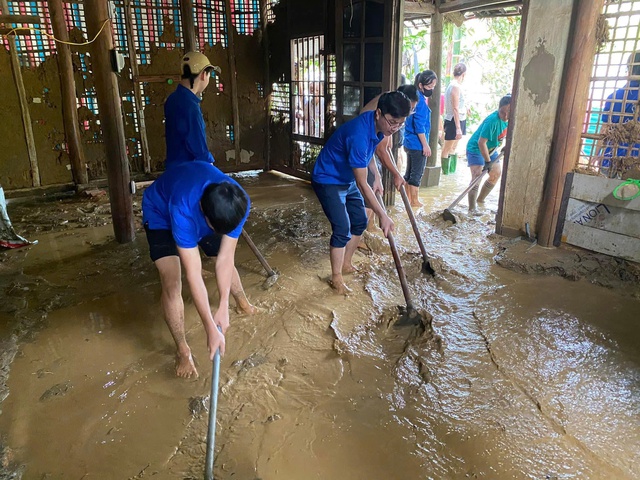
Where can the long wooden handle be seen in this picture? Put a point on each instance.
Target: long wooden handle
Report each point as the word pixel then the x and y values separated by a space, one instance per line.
pixel 396 258
pixel 257 253
pixel 414 224
pixel 467 190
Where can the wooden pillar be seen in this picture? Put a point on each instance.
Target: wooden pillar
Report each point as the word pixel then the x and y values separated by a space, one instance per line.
pixel 137 90
pixel 267 83
pixel 24 106
pixel 566 138
pixel 435 64
pixel 233 75
pixel 111 122
pixel 188 26
pixel 68 90
pixel 534 108
pixel 394 26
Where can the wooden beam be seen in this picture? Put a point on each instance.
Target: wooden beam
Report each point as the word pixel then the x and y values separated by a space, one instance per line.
pixel 20 33
pixel 137 91
pixel 502 229
pixel 24 106
pixel 68 91
pixel 435 64
pixel 188 26
pixel 30 19
pixel 418 9
pixel 267 86
pixel 459 5
pixel 156 78
pixel 566 138
pixel 111 122
pixel 231 51
pixel 534 110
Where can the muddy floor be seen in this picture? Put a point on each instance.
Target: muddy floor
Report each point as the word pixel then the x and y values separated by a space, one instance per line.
pixel 527 367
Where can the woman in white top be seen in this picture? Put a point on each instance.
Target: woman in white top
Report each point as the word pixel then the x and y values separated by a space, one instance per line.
pixel 455 118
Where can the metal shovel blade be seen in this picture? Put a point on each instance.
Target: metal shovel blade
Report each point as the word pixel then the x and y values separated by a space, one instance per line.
pixel 447 215
pixel 409 317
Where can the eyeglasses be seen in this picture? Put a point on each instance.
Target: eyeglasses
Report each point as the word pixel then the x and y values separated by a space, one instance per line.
pixel 393 124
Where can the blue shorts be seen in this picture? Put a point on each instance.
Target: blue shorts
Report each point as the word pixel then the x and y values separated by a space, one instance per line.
pixel 478 159
pixel 344 207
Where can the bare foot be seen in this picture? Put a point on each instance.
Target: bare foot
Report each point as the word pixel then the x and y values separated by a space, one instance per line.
pixel 417 204
pixel 349 269
pixel 185 367
pixel 339 288
pixel 248 309
pixel 363 245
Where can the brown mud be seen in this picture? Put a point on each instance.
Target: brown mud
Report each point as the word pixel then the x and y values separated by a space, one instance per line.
pixel 515 374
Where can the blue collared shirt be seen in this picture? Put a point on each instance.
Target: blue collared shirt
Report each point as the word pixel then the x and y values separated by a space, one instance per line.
pixel 418 122
pixel 627 97
pixel 351 146
pixel 184 128
pixel 172 202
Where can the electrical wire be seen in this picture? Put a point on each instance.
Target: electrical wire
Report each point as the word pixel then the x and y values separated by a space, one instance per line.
pixel 54 38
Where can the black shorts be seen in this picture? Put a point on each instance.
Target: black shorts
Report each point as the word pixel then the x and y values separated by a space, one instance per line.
pixel 450 128
pixel 162 244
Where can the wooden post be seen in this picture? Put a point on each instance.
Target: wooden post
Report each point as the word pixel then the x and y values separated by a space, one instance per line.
pixel 393 30
pixel 267 84
pixel 137 91
pixel 188 26
pixel 24 106
pixel 233 75
pixel 68 90
pixel 435 64
pixel 110 114
pixel 566 138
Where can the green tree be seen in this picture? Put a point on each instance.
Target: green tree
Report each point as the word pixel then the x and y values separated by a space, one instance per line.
pixel 499 50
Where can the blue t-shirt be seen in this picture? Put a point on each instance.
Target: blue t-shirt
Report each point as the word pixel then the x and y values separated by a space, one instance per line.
pixel 418 122
pixel 172 202
pixel 493 128
pixel 184 128
pixel 629 98
pixel 351 146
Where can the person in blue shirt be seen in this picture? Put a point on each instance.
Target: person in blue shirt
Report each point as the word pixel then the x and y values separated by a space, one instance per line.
pixel 384 150
pixel 185 132
pixel 621 107
pixel 339 179
pixel 195 205
pixel 416 135
pixel 483 153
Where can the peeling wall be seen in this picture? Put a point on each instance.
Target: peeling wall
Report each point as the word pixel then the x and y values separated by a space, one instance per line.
pixel 43 90
pixel 216 105
pixel 538 91
pixel 14 157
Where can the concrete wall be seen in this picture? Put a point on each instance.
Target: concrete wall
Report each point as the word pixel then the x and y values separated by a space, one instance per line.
pixel 538 85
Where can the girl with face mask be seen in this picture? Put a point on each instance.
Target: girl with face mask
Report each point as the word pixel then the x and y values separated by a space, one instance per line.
pixel 417 129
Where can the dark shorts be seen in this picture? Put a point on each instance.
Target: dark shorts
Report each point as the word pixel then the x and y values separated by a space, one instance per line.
pixel 162 244
pixel 344 207
pixel 450 129
pixel 416 162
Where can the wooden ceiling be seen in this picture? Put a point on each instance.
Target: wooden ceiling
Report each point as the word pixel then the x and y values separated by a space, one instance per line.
pixel 418 12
